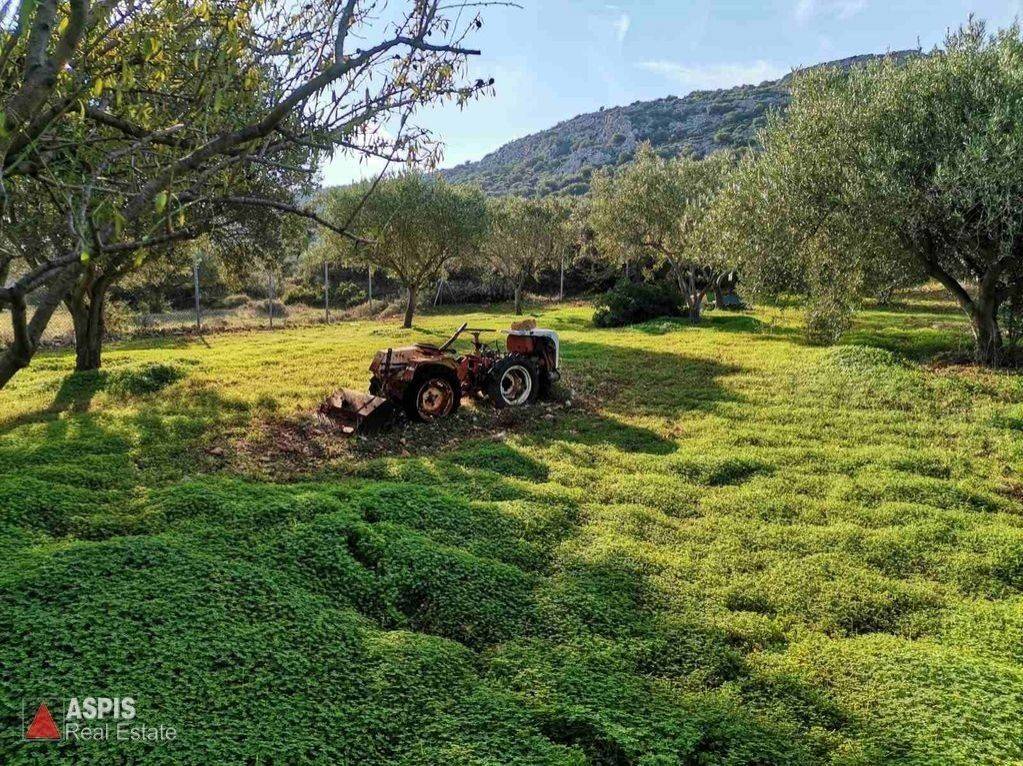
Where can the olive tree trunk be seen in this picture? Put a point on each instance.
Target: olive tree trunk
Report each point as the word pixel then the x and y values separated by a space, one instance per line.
pixel 686 278
pixel 410 306
pixel 986 332
pixel 88 320
pixel 87 306
pixel 518 300
pixel 694 297
pixel 19 353
pixel 28 332
pixel 719 291
pixel 982 310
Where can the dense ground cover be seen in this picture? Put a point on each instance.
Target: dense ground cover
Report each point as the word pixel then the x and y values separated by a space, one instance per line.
pixel 742 550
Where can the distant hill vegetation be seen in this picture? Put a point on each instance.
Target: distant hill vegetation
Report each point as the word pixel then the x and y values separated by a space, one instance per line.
pixel 561 160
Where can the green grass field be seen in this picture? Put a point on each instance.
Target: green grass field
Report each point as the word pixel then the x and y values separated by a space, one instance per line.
pixel 731 549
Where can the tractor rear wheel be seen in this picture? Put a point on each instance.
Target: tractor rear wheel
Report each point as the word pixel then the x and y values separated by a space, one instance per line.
pixel 513 382
pixel 432 396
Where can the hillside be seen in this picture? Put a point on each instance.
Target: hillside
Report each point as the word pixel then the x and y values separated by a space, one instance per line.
pixel 562 159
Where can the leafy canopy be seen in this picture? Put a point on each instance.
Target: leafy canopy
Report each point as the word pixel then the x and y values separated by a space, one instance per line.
pixel 525 236
pixel 654 209
pixel 412 226
pixel 893 170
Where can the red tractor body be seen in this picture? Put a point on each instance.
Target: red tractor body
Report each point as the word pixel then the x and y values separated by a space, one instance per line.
pixel 428 381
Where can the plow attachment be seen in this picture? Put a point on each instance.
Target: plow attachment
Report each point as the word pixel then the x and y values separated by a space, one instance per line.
pixel 356 412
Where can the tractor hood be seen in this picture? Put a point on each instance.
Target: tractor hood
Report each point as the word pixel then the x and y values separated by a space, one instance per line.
pixel 399 358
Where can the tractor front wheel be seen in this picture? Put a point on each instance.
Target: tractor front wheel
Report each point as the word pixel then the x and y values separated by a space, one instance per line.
pixel 514 382
pixel 432 397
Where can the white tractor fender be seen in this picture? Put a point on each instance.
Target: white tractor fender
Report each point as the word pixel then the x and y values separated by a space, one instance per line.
pixel 540 333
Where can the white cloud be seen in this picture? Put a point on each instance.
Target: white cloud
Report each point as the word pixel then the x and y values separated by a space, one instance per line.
pixel 621 27
pixel 714 76
pixel 842 10
pixel 622 22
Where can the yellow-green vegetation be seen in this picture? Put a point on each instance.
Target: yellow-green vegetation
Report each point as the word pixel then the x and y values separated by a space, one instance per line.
pixel 732 549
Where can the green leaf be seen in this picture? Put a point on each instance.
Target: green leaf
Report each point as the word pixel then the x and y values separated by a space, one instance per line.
pixel 25 13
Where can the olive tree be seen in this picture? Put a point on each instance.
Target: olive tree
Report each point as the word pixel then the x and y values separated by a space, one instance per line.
pixel 902 167
pixel 410 226
pixel 524 237
pixel 185 112
pixel 655 208
pixel 781 247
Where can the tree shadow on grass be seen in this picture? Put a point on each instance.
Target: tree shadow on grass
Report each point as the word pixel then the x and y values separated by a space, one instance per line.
pixel 717 321
pixel 641 382
pixel 592 430
pixel 746 323
pixel 77 391
pixel 931 306
pixel 614 384
pixel 74 395
pixel 165 423
pixel 565 323
pixel 918 338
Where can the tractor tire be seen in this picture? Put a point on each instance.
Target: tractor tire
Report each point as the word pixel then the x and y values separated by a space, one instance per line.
pixel 513 382
pixel 432 395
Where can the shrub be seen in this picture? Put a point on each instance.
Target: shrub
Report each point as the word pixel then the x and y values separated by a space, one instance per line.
pixel 118 318
pixel 147 379
pixel 827 319
pixel 231 301
pixel 342 295
pixel 631 302
pixel 153 304
pixel 302 294
pixel 346 294
pixel 143 322
pixel 264 307
pixel 484 290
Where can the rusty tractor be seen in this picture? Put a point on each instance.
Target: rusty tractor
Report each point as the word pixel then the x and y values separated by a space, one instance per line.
pixel 427 382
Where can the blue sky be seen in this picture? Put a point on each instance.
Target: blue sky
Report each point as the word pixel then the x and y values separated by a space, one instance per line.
pixel 554 59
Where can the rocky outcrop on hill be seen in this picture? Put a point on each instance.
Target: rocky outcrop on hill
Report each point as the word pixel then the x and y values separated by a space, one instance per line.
pixel 562 159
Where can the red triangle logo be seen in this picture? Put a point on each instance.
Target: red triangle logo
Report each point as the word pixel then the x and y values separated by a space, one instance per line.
pixel 42 726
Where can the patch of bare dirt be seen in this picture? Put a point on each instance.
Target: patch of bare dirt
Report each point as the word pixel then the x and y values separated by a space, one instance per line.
pixel 962 363
pixel 302 445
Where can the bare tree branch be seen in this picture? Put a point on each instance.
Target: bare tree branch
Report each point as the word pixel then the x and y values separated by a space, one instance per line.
pixel 284 207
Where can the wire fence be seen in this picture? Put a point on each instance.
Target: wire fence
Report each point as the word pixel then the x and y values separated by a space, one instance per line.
pixel 207 307
pixel 201 302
